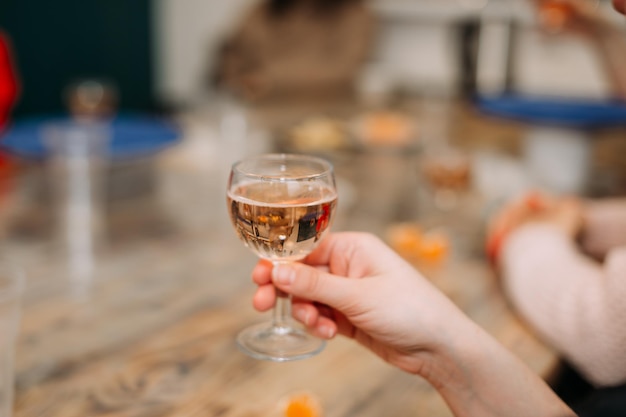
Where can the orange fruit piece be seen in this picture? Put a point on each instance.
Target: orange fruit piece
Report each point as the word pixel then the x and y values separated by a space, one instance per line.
pixel 433 247
pixel 405 239
pixel 302 405
pixel 387 128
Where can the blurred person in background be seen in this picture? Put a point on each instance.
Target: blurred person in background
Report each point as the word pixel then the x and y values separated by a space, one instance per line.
pixel 563 259
pixel 296 48
pixel 585 18
pixel 563 265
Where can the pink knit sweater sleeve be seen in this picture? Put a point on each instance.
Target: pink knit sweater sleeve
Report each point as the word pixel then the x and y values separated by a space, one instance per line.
pixel 576 305
pixel 605 226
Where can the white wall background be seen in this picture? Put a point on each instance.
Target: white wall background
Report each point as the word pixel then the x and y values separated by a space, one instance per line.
pixel 187 32
pixel 416 47
pixel 563 65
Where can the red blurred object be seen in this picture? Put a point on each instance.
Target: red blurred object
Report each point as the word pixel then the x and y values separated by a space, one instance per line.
pixel 9 87
pixel 9 90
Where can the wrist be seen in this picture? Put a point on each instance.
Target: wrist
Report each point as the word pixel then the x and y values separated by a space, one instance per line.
pixel 476 375
pixel 432 353
pixel 448 365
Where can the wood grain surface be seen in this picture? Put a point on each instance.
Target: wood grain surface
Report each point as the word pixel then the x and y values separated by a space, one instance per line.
pixel 155 334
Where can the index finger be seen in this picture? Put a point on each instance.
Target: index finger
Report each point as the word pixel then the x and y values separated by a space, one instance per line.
pixel 262 272
pixel 350 254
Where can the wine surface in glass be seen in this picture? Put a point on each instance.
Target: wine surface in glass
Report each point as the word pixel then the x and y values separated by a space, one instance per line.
pixel 282 221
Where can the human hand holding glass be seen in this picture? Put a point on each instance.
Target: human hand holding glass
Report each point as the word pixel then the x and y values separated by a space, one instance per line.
pixel 281 206
pixel 354 285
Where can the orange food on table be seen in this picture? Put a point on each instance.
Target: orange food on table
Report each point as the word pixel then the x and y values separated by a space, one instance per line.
pixel 302 405
pixel 410 242
pixel 405 239
pixel 386 128
pixel 433 247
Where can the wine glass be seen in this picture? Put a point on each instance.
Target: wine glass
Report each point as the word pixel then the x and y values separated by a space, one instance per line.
pixel 281 205
pixel 448 173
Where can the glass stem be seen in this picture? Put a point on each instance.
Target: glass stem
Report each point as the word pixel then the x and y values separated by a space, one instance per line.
pixel 282 308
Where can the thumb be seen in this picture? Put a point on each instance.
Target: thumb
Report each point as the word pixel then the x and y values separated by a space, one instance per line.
pixel 312 284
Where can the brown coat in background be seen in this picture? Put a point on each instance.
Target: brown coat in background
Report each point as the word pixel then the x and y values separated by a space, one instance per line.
pixel 296 48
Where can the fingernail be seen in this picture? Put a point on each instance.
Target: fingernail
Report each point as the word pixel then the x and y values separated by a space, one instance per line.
pixel 326 332
pixel 302 316
pixel 283 274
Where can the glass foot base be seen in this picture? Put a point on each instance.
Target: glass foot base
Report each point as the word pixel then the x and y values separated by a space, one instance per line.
pixel 278 343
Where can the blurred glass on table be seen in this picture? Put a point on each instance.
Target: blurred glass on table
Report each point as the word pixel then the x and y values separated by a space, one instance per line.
pixel 77 176
pixel 450 204
pixel 91 99
pixel 11 283
pixel 448 174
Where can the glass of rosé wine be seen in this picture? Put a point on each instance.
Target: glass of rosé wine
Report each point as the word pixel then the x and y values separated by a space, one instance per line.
pixel 281 206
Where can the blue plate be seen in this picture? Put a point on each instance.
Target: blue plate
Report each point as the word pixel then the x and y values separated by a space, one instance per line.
pixel 577 114
pixel 131 136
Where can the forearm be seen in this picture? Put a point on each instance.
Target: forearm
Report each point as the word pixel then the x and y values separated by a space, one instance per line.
pixel 478 377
